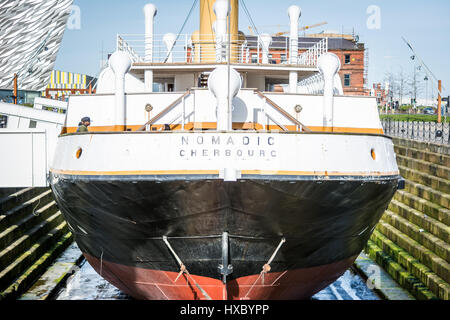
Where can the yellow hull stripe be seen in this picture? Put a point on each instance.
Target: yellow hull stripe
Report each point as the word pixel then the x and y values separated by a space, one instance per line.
pixel 216 172
pixel 236 126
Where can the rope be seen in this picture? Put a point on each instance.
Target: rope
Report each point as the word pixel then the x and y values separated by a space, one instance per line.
pixel 182 28
pixel 252 23
pixel 266 268
pixel 101 263
pixel 34 209
pixel 184 270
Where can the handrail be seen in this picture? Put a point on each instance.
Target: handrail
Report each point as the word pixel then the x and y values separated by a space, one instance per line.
pixel 259 93
pixel 170 107
pixel 283 112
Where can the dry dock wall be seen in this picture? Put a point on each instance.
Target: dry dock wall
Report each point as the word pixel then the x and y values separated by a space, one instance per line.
pixel 33 234
pixel 412 242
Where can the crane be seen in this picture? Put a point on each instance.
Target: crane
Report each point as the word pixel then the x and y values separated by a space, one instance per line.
pixel 301 29
pixel 427 70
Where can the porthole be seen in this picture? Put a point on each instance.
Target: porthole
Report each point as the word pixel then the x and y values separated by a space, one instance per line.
pixel 373 154
pixel 79 153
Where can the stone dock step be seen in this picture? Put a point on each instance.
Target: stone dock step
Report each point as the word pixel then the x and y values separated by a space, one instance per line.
pixel 61 239
pixel 428 180
pixel 432 169
pixel 428 194
pixel 32 219
pixel 432 157
pixel 424 206
pixel 32 235
pixel 29 237
pixel 18 213
pixel 421 220
pixel 425 146
pixel 398 273
pixel 426 239
pixel 433 262
pixel 16 199
pixel 17 257
pixel 416 270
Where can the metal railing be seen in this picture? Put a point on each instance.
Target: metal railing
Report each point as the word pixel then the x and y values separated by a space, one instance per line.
pixel 418 130
pixel 248 50
pixel 311 56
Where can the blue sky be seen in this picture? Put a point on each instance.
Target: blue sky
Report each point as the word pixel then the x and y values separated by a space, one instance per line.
pixel 426 24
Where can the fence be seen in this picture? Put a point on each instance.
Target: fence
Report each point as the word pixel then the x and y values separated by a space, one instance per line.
pixel 418 130
pixel 206 49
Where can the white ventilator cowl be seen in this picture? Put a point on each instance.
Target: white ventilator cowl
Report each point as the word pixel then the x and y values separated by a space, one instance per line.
pixel 221 9
pixel 169 40
pixel 218 82
pixel 120 63
pixel 150 12
pixel 329 65
pixel 218 86
pixel 294 13
pixel 266 41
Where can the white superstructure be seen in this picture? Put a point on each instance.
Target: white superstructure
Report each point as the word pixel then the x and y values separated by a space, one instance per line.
pixel 220 125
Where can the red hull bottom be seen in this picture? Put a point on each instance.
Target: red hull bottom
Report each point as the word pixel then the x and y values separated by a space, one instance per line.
pixel 147 284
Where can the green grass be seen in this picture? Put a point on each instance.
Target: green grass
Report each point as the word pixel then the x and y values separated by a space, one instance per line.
pixel 412 117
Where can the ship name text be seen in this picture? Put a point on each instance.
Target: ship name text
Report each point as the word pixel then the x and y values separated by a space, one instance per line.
pixel 242 147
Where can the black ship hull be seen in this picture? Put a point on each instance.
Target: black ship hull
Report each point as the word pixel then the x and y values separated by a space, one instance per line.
pixel 121 225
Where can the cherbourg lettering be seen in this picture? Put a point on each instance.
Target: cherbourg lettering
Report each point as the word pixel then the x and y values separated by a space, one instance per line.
pixel 228 146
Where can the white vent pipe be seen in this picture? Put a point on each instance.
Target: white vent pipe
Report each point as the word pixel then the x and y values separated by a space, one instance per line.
pixel 169 40
pixel 329 65
pixel 221 9
pixel 266 41
pixel 294 13
pixel 120 63
pixel 150 12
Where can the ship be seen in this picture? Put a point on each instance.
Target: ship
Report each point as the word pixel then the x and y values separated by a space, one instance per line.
pixel 220 166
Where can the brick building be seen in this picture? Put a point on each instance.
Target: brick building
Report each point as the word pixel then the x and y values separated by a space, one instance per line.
pixel 351 53
pixel 380 93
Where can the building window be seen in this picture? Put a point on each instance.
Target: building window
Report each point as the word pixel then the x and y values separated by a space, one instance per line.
pixel 347 59
pixel 283 58
pixel 346 80
pixel 254 58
